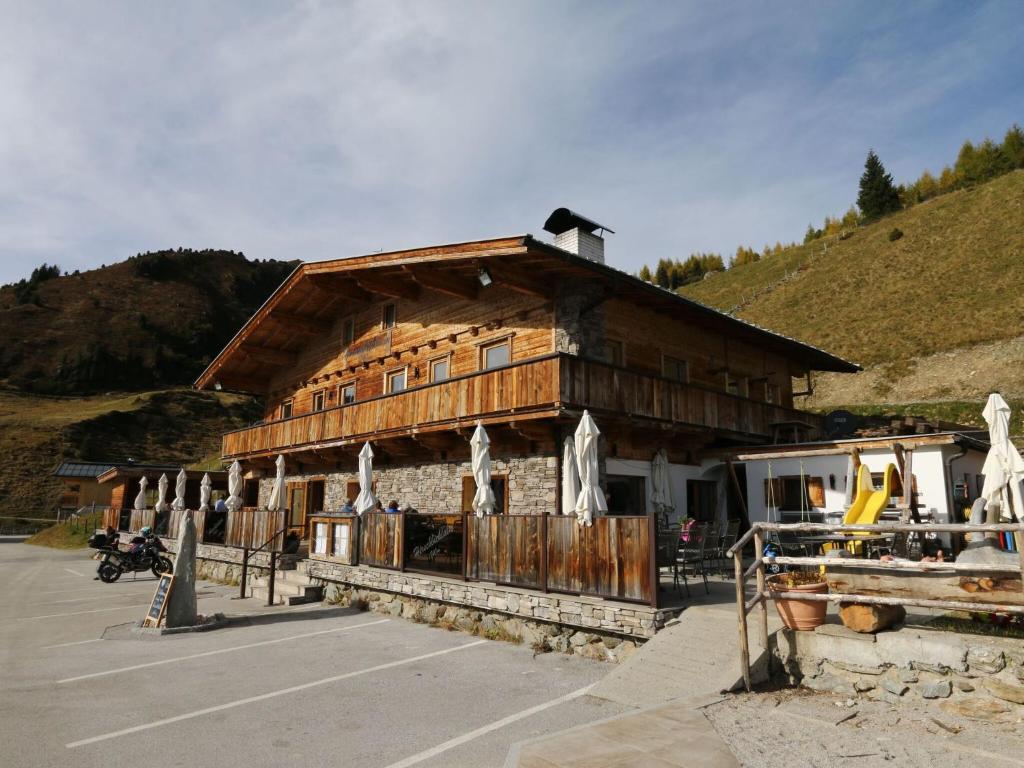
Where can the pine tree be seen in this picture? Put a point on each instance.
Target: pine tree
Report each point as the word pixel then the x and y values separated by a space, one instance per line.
pixel 645 274
pixel 878 195
pixel 662 273
pixel 1012 148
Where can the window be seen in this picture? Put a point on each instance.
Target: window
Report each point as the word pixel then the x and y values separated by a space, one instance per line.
pixel 786 495
pixel 499 484
pixel 626 495
pixel 395 381
pixel 439 369
pixel 388 317
pixel 348 331
pixel 286 409
pixel 735 385
pixel 296 505
pixel 319 400
pixel 674 368
pixel 347 393
pixel 771 393
pixel 612 352
pixel 496 355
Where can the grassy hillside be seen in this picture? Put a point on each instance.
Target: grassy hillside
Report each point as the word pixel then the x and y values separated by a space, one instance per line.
pixel 927 303
pixel 151 321
pixel 37 432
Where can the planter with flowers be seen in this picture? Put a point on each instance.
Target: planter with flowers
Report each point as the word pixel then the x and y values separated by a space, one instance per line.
pixel 796 613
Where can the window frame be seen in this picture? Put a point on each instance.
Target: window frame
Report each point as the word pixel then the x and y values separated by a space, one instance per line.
pixel 484 346
pixel 348 328
pixel 620 345
pixel 389 377
pixel 447 360
pixel 286 405
pixel 686 368
pixel 322 395
pixel 384 316
pixel 341 392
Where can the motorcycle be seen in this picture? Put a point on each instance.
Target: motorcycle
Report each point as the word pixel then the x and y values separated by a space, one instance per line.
pixel 149 558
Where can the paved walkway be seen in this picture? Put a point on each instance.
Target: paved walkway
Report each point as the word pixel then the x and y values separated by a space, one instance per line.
pixel 669 680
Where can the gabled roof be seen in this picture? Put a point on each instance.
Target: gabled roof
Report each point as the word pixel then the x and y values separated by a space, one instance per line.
pixel 82 468
pixel 310 299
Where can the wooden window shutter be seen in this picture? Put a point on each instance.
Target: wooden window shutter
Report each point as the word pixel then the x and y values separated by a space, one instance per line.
pixel 816 491
pixel 468 492
pixel 352 490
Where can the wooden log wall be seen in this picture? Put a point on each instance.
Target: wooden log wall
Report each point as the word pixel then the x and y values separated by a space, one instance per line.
pixel 432 327
pixel 611 558
pixel 647 335
pixel 505 549
pixel 380 539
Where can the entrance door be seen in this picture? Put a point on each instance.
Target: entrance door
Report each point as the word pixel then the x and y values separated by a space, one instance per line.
pixel 297 509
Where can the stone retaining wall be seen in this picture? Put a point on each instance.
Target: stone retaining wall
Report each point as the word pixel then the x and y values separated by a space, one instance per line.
pixel 974 675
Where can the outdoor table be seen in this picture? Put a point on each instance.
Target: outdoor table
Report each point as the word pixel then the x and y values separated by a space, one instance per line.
pixel 867 539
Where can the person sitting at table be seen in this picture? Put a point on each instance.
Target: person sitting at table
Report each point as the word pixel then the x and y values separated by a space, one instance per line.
pixel 346 508
pixel 392 507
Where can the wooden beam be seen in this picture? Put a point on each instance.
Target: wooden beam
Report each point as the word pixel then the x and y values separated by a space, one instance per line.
pixel 309 326
pixel 336 285
pixel 534 430
pixel 392 287
pixel 268 355
pixel 518 280
pixel 444 282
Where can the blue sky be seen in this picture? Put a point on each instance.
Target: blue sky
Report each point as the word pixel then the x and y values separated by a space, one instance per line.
pixel 318 130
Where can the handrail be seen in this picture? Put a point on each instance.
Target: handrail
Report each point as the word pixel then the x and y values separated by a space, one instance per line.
pixel 246 554
pixel 762 594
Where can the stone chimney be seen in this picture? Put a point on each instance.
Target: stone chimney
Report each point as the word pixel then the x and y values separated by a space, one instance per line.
pixel 576 234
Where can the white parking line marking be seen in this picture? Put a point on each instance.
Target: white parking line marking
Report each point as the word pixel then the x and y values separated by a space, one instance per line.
pixel 65 645
pixel 270 695
pixel 483 730
pixel 74 573
pixel 79 613
pixel 220 651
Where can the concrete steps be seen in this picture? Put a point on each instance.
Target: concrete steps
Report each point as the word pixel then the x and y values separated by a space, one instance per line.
pixel 292 585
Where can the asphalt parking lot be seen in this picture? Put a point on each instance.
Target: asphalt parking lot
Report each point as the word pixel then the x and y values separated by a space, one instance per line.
pixel 311 685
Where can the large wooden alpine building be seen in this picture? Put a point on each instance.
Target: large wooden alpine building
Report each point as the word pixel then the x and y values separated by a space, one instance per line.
pixel 410 349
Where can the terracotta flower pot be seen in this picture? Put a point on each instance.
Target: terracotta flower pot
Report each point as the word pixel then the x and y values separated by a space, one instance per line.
pixel 800 614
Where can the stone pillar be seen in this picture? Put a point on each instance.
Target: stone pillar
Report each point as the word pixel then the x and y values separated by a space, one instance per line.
pixel 181 604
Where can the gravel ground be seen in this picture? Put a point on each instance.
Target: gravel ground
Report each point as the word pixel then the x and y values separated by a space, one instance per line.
pixel 788 728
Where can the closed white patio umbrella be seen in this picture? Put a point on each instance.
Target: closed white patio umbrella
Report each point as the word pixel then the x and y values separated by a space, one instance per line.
pixel 205 488
pixel 179 491
pixel 591 500
pixel 570 477
pixel 140 500
pixel 483 500
pixel 661 488
pixel 161 494
pixel 1003 465
pixel 234 500
pixel 365 501
pixel 276 501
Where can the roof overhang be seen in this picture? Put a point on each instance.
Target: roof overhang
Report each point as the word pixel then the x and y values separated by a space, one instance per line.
pixel 967 440
pixel 121 473
pixel 317 294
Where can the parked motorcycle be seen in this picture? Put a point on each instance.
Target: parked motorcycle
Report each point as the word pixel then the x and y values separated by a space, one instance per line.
pixel 150 557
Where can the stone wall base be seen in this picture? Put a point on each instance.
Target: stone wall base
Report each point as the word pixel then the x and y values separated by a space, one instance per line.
pixel 972 675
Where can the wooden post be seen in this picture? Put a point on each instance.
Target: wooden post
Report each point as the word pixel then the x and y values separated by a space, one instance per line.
pixel 655 575
pixel 741 611
pixel 739 492
pixel 544 553
pixel 762 607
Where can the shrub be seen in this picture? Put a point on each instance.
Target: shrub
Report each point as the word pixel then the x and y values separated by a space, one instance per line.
pixel 895 234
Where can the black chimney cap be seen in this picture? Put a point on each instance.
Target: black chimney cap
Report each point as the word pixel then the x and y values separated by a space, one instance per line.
pixel 562 220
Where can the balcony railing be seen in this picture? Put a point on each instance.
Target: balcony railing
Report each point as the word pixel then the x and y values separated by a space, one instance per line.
pixel 540 385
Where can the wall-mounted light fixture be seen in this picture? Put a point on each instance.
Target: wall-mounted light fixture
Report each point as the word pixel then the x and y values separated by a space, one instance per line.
pixel 484 277
pixel 217 385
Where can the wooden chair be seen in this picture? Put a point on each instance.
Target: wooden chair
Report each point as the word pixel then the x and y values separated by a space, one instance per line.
pixel 691 554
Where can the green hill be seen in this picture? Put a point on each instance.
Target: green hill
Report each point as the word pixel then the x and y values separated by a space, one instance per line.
pixel 933 315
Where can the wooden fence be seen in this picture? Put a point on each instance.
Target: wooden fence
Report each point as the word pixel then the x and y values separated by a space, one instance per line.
pixel 506 549
pixel 380 539
pixel 252 528
pixel 978 587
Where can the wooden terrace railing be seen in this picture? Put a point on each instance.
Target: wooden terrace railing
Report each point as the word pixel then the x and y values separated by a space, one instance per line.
pixel 614 558
pixel 247 528
pixel 1000 600
pixel 539 385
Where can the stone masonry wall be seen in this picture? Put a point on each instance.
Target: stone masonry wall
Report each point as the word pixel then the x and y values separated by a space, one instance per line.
pixel 973 675
pixel 437 486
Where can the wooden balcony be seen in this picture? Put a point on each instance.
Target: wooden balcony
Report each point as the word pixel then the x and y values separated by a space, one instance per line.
pixel 543 387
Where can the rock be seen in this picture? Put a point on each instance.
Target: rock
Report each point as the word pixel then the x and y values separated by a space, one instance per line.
pixel 624 650
pixel 862 686
pixel 868 619
pixel 858 669
pixel 975 708
pixel 1006 691
pixel 830 684
pixel 579 638
pixel 939 690
pixel 963 685
pixel 487 623
pixel 938 669
pixel 595 651
pixel 181 602
pixel 611 642
pixel 894 687
pixel 429 613
pixel 909 676
pixel 987 660
pixel 889 698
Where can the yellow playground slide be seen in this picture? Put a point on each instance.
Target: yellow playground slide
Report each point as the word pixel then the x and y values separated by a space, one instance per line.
pixel 868 505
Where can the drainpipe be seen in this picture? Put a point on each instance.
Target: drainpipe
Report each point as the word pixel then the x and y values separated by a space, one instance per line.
pixel 950 499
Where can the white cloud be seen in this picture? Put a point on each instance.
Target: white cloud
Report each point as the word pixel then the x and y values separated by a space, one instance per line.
pixel 316 130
